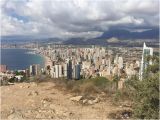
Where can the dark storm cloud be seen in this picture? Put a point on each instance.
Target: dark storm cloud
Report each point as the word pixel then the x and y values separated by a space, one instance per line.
pixel 76 18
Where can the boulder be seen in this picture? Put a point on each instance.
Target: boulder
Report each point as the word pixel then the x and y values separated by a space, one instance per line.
pixel 15 116
pixel 33 93
pixel 77 98
pixel 84 101
pixel 90 102
pixel 96 100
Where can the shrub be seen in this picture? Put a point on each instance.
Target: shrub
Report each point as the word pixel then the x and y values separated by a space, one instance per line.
pixel 89 88
pixel 147 98
pixel 76 89
pixel 70 84
pixel 100 82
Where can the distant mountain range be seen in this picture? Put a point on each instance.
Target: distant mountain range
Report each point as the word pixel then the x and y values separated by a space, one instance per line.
pixel 125 34
pixel 119 34
pixel 27 39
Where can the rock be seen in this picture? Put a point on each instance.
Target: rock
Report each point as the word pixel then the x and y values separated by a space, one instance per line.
pixel 50 117
pixel 24 86
pixel 84 101
pixel 61 113
pixel 77 98
pixel 46 102
pixel 40 116
pixel 127 104
pixel 16 116
pixel 103 94
pixel 9 83
pixel 33 93
pixel 96 100
pixel 12 111
pixel 27 86
pixel 34 84
pixel 29 111
pixel 90 102
pixel 52 106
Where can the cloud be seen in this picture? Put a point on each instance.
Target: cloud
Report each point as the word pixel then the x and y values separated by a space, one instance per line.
pixel 75 18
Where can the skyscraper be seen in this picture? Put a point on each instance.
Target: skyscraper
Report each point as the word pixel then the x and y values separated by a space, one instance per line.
pixel 3 68
pixel 144 63
pixel 65 70
pixel 77 71
pixel 120 62
pixel 56 71
pixel 69 69
pixel 34 69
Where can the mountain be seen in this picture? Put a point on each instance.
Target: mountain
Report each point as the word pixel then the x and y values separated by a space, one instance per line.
pixel 124 38
pixel 125 34
pixel 119 34
pixel 27 39
pixel 75 41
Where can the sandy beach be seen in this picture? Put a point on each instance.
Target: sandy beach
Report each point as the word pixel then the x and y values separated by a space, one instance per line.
pixel 47 61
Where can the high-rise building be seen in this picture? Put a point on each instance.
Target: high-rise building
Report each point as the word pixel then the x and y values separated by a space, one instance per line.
pixel 3 68
pixel 65 70
pixel 144 63
pixel 56 71
pixel 27 72
pixel 52 71
pixel 69 69
pixel 116 60
pixel 34 69
pixel 77 71
pixel 120 62
pixel 60 70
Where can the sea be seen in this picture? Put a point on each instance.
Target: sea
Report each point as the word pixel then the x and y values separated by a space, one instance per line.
pixel 20 59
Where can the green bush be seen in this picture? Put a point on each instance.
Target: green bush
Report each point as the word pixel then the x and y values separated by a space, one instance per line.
pixel 93 85
pixel 89 88
pixel 146 98
pixel 100 82
pixel 145 93
pixel 70 84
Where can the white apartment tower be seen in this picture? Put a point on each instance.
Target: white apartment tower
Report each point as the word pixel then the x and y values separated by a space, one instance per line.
pixel 146 51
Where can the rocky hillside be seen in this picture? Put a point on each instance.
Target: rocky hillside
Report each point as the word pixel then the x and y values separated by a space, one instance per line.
pixel 45 101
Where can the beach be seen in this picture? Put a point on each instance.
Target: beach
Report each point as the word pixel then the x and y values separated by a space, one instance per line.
pixel 48 61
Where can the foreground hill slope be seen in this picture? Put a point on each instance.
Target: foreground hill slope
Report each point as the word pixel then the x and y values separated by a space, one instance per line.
pixel 45 101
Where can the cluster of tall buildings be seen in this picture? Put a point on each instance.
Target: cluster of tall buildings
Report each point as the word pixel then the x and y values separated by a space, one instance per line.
pixel 73 62
pixel 6 74
pixel 34 70
pixel 77 62
pixel 66 69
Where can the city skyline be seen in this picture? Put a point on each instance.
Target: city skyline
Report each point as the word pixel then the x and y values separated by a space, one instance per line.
pixel 79 59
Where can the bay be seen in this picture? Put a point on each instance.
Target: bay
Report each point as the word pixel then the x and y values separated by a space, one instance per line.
pixel 20 59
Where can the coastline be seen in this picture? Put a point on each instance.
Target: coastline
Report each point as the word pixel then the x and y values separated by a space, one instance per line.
pixel 47 60
pixel 24 58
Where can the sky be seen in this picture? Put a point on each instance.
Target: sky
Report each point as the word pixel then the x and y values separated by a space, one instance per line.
pixel 76 18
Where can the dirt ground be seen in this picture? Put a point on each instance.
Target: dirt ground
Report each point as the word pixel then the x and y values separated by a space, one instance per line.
pixel 45 101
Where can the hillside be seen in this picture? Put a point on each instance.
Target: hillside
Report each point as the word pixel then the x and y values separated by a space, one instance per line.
pixel 45 101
